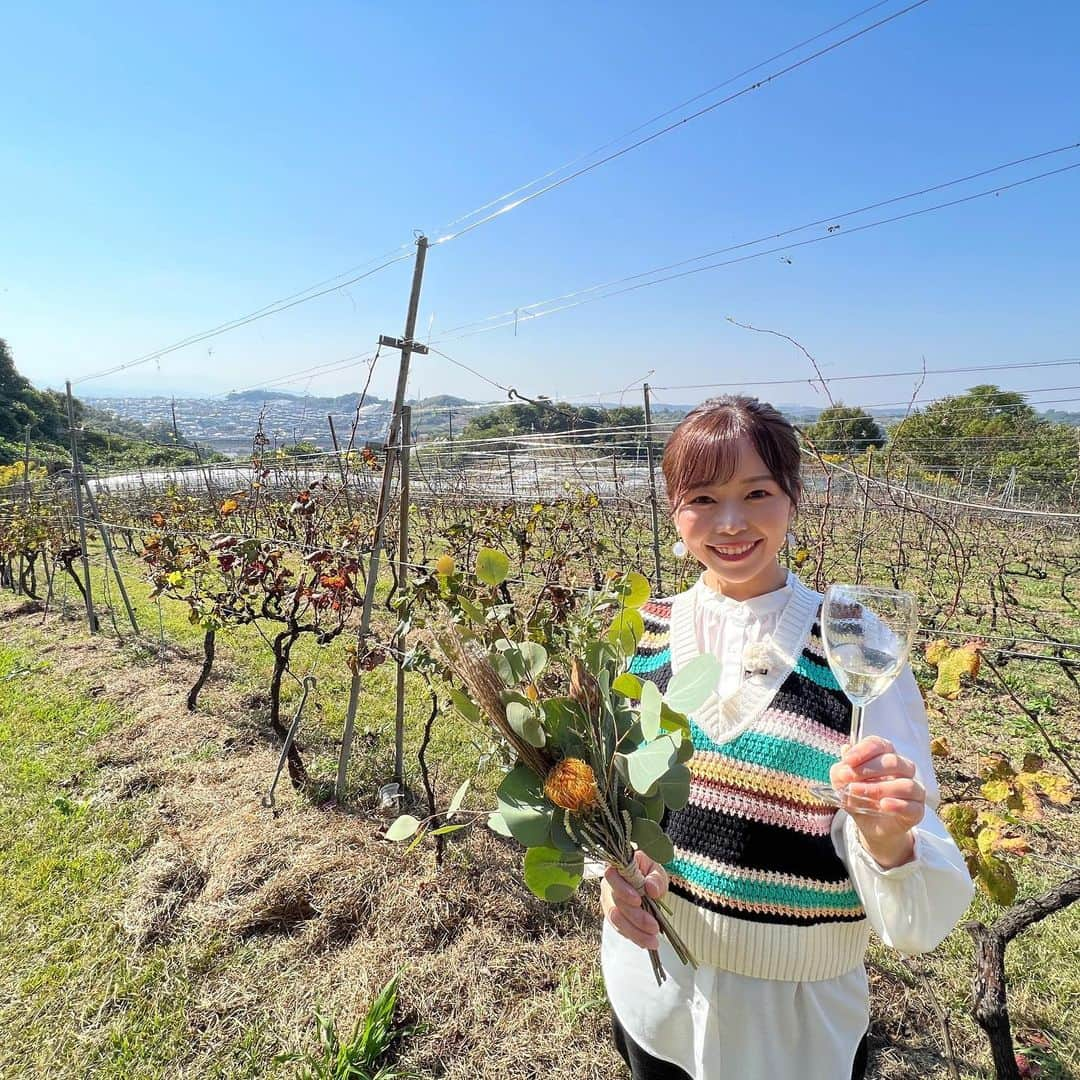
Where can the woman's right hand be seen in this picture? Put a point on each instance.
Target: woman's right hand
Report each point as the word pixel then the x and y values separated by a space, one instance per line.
pixel 621 902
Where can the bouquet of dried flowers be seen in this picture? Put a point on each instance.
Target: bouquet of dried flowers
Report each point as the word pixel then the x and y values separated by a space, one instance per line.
pixel 600 753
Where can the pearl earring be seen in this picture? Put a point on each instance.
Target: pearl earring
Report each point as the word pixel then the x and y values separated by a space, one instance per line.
pixel 678 549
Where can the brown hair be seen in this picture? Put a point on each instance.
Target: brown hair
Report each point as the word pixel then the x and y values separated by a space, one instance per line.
pixel 701 449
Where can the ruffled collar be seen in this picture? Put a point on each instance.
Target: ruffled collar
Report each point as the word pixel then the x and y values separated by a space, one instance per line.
pixel 724 717
pixel 758 607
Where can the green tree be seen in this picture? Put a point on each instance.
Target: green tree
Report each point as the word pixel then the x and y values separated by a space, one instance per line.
pixel 45 413
pixel 996 434
pixel 524 418
pixel 966 430
pixel 844 429
pixel 22 405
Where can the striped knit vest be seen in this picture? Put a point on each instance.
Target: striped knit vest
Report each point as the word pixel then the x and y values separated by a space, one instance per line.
pixel 757 887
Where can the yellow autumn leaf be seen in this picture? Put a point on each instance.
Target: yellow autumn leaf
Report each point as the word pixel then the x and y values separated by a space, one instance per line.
pixel 801 556
pixel 997 878
pixel 1025 802
pixel 1055 788
pixel 960 819
pixel 230 506
pixel 951 664
pixel 939 747
pixel 992 838
pixel 935 651
pixel 998 765
pixel 997 790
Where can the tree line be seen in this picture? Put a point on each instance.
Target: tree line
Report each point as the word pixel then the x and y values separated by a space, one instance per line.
pixel 103 439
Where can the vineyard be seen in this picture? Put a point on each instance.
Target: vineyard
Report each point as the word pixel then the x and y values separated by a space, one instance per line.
pixel 331 675
pixel 263 633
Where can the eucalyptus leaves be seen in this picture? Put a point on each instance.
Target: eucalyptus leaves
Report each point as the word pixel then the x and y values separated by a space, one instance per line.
pixel 601 753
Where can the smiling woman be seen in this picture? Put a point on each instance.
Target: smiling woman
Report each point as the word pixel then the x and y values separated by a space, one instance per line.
pixel 732 472
pixel 774 889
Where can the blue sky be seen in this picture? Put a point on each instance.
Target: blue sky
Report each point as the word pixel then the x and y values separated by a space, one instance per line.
pixel 164 169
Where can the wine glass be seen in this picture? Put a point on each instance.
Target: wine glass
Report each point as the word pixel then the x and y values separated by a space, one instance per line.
pixel 867 633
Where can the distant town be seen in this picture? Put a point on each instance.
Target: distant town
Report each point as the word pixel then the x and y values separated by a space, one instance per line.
pixel 228 424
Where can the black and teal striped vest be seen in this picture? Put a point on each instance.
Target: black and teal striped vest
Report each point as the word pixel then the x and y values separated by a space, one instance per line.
pixel 753 843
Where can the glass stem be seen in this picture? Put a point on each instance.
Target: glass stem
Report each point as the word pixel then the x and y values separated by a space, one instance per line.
pixel 856 723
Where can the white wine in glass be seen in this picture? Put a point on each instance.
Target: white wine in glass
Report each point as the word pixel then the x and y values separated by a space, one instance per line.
pixel 867 634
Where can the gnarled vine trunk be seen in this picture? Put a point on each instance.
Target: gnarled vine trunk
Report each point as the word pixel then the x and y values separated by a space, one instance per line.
pixel 208 662
pixel 283 644
pixel 989 991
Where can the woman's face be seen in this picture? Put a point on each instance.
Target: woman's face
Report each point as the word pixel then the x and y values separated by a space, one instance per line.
pixel 736 529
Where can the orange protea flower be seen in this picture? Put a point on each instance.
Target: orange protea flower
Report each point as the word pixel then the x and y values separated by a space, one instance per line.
pixel 571 784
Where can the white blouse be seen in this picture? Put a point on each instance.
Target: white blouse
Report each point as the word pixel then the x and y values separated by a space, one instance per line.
pixel 715 1024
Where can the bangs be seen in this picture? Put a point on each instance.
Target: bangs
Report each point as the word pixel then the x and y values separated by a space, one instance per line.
pixel 704 447
pixel 704 457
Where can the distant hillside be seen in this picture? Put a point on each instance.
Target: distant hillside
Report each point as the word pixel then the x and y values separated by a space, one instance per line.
pixel 326 404
pixel 104 440
pixel 1056 416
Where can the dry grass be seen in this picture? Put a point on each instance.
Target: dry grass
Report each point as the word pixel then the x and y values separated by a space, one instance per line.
pixel 319 908
pixel 305 906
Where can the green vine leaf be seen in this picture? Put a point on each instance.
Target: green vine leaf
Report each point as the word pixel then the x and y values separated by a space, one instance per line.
pixel 492 566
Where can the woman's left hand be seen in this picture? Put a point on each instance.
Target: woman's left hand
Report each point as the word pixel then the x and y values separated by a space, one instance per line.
pixel 887 800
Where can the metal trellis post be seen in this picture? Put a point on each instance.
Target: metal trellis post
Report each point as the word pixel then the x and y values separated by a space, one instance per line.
pixel 107 541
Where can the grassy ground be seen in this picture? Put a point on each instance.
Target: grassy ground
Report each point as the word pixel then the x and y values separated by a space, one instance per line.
pixel 155 921
pixel 77 1000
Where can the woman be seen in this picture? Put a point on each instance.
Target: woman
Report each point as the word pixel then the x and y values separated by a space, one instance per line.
pixel 774 891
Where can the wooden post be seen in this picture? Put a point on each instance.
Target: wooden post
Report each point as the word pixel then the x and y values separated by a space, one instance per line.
pixel 107 541
pixel 510 470
pixel 26 502
pixel 214 501
pixel 657 584
pixel 402 576
pixel 342 466
pixel 407 347
pixel 91 618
